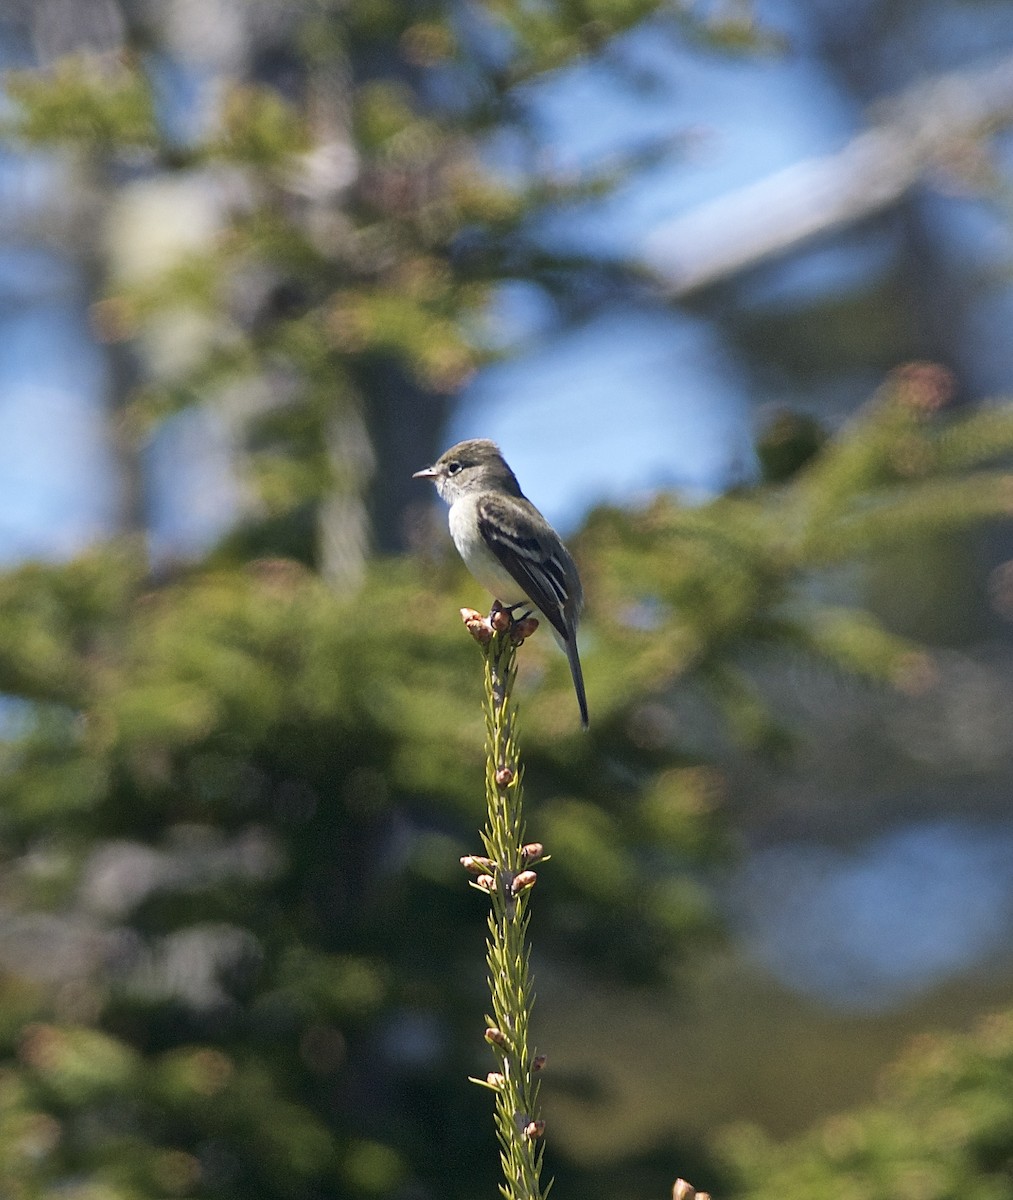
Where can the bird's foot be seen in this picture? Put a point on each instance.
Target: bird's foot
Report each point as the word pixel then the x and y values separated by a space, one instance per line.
pixel 499 620
pixel 502 619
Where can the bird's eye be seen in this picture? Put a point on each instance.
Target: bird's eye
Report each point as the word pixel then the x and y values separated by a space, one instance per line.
pixel 453 467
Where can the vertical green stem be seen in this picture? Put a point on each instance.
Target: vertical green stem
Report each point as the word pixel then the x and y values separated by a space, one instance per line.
pixel 509 885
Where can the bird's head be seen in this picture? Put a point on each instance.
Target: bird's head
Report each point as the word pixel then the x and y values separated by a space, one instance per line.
pixel 472 466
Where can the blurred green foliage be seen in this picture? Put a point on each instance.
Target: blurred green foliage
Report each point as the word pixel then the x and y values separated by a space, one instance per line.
pixel 941 1129
pixel 248 796
pixel 90 104
pixel 299 776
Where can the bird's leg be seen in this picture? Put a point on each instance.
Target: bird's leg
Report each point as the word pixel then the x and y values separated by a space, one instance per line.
pixel 498 607
pixel 501 618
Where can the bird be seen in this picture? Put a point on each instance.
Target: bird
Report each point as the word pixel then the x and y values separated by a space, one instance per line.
pixel 508 546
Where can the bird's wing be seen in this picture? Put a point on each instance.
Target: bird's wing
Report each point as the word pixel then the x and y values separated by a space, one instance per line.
pixel 535 566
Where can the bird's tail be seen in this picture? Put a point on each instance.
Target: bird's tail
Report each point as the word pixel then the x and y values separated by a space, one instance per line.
pixel 570 646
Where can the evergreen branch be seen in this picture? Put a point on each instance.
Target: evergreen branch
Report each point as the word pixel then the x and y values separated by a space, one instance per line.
pixel 505 874
pixel 853 464
pixel 922 510
pixel 982 436
pixel 858 643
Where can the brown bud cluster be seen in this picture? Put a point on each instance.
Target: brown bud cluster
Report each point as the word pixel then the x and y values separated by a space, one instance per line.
pixel 522 881
pixel 485 882
pixel 538 1062
pixel 915 673
pixel 534 1129
pixel 476 864
pixel 477 625
pixel 523 630
pixel 504 777
pixel 496 1037
pixel 925 387
pixel 681 1190
pixel 533 852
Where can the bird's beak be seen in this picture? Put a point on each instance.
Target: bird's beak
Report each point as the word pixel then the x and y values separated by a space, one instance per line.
pixel 426 473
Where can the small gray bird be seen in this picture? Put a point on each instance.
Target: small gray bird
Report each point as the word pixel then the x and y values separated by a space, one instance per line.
pixel 508 545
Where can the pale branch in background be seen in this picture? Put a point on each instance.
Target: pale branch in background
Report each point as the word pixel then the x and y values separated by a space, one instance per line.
pixel 925 128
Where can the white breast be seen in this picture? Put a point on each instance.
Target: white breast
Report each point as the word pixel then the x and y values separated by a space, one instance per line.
pixel 478 558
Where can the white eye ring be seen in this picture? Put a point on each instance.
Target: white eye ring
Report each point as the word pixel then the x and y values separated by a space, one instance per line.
pixel 453 468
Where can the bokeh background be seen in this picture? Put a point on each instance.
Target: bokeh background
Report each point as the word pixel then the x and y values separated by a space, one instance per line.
pixel 731 285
